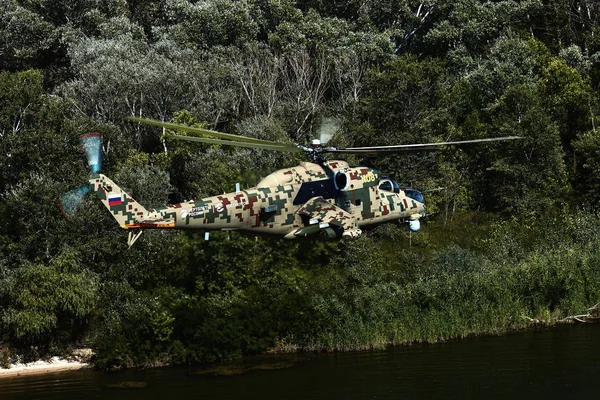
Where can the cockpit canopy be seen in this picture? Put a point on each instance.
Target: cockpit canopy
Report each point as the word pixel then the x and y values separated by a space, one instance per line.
pixel 387 184
pixel 414 194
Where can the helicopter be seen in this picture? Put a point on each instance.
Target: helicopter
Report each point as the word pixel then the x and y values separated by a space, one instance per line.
pixel 317 197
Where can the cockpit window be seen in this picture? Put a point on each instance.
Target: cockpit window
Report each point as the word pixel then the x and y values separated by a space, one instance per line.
pixel 389 185
pixel 414 194
pixel 386 186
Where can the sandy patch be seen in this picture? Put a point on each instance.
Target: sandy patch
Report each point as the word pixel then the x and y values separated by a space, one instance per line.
pixel 55 364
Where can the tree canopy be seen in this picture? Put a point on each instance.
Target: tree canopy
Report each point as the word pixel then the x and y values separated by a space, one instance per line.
pixel 387 72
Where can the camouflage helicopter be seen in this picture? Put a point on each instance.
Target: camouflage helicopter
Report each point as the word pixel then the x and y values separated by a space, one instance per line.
pixel 327 197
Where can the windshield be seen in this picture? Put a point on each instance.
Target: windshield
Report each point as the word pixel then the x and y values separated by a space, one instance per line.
pixel 414 194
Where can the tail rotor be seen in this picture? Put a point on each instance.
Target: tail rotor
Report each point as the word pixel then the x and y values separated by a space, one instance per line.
pixel 92 143
pixel 69 201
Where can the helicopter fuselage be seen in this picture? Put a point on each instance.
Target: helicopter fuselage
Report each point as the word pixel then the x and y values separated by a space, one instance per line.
pixel 331 197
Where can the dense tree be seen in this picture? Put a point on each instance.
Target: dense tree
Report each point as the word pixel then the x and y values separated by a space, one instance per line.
pixel 24 37
pixel 45 303
pixel 511 239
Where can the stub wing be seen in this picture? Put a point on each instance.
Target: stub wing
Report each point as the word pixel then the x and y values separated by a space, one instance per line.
pixel 320 215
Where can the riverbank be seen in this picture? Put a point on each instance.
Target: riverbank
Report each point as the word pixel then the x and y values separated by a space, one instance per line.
pixel 55 364
pixel 80 360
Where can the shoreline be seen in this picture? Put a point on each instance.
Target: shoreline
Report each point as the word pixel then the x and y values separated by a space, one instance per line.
pixel 55 364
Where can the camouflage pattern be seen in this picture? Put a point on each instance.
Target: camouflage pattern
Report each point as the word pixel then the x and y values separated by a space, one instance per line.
pixel 330 198
pixel 122 207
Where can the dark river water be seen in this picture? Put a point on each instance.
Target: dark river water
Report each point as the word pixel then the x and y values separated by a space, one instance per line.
pixel 562 362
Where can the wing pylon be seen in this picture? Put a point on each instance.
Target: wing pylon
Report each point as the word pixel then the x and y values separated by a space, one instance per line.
pixel 320 215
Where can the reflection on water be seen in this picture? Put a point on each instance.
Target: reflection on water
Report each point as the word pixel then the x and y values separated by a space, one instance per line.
pixel 559 362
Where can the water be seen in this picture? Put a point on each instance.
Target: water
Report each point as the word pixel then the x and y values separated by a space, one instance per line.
pixel 561 362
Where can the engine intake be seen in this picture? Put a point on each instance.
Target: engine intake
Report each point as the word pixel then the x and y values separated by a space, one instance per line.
pixel 341 180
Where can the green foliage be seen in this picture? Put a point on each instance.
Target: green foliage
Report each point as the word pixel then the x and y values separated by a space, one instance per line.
pixel 588 146
pixel 149 184
pixel 507 242
pixel 472 24
pixel 46 301
pixel 134 328
pixel 366 303
pixel 212 23
pixel 24 36
pixel 21 95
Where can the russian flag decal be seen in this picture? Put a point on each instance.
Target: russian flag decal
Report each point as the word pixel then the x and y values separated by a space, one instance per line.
pixel 114 200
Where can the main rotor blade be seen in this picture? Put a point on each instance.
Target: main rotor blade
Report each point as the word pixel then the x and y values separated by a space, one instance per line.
pixel 413 147
pixel 266 146
pixel 221 135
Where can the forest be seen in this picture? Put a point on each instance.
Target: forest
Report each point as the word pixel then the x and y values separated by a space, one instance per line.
pixel 514 237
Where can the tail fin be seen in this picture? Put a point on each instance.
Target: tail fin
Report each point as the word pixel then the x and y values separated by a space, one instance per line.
pixel 121 205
